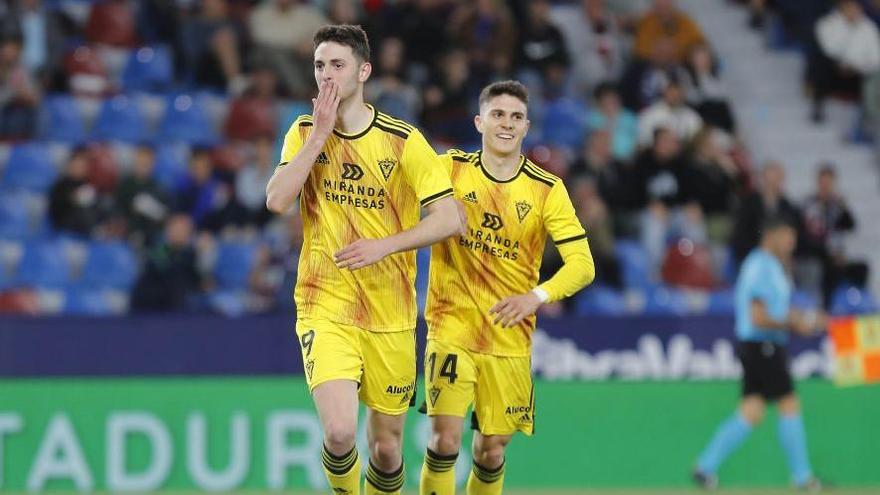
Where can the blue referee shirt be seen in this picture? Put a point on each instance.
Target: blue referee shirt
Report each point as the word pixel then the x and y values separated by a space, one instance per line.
pixel 761 277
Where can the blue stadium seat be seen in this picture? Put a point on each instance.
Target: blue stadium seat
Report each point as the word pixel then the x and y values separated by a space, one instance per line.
pixel 602 301
pixel 171 165
pixel 186 119
pixel 565 123
pixel 149 69
pixel 44 265
pixel 109 265
pixel 802 299
pixel 635 266
pixel 230 303
pixel 721 302
pixel 29 167
pixel 665 301
pixel 63 120
pixel 121 119
pixel 14 219
pixel 87 303
pixel 851 300
pixel 235 260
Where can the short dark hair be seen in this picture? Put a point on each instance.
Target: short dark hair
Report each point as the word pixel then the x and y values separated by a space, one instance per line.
pixel 776 222
pixel 352 36
pixel 512 88
pixel 604 88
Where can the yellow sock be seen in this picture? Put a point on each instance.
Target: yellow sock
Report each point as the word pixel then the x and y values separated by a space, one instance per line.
pixel 438 474
pixel 381 483
pixel 343 472
pixel 485 481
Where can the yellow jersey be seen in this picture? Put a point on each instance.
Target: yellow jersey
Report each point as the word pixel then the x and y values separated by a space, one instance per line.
pixel 366 185
pixel 508 224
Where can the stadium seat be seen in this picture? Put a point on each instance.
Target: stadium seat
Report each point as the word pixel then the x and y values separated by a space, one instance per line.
pixel 801 299
pixel 171 165
pixel 121 119
pixel 634 264
pixel 721 302
pixel 112 22
pixel 688 265
pixel 849 300
pixel 235 260
pixel 149 69
pixel 109 265
pixel 94 302
pixel 229 303
pixel 29 167
pixel 63 121
pixel 601 301
pixel 44 265
pixel 186 120
pixel 665 301
pixel 250 118
pixel 20 217
pixel 564 123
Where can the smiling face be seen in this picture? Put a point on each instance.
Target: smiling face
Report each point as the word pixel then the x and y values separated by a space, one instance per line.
pixel 503 122
pixel 337 63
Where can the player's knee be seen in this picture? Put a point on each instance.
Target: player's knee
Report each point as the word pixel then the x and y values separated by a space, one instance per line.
pixel 490 454
pixel 754 414
pixel 789 405
pixel 386 453
pixel 339 438
pixel 445 443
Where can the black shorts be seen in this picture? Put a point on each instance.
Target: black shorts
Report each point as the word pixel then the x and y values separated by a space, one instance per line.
pixel 765 370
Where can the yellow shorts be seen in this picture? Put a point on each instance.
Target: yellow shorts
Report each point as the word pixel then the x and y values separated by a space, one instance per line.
pixel 383 364
pixel 500 388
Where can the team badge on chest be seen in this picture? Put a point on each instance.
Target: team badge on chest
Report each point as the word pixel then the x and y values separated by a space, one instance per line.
pixel 387 166
pixel 522 209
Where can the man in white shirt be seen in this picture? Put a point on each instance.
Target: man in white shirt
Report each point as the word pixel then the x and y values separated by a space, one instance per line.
pixel 670 112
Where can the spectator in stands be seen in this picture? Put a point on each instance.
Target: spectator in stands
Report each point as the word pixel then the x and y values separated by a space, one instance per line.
pixel 848 49
pixel 200 194
pixel 671 113
pixel 768 200
pixel 592 34
pixel 608 114
pixel 423 27
pixel 19 93
pixel 250 183
pixel 73 201
pixel 42 37
pixel 617 181
pixel 447 111
pixel 666 22
pixel 669 213
pixel 388 88
pixel 542 53
pixel 594 215
pixel 706 91
pixel 170 278
pixel 710 180
pixel 282 31
pixel 486 31
pixel 344 12
pixel 142 202
pixel 826 221
pixel 213 43
pixel 644 80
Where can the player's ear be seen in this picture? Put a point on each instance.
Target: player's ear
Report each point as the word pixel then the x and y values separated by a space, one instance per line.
pixel 478 123
pixel 366 70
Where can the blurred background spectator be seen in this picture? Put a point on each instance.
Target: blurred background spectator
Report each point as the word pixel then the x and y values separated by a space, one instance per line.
pixel 156 125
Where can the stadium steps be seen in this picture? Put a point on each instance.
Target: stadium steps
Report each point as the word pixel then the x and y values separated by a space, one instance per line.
pixel 772 112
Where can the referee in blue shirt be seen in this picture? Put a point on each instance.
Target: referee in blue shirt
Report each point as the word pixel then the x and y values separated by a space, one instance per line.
pixel 763 320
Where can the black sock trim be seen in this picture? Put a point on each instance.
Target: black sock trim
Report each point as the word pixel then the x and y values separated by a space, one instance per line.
pixel 487 475
pixel 440 463
pixel 339 464
pixel 386 482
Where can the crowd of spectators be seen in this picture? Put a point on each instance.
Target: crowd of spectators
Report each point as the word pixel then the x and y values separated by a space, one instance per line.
pixel 182 105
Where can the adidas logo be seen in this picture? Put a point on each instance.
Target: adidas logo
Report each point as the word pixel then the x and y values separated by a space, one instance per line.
pixel 525 418
pixel 322 159
pixel 471 197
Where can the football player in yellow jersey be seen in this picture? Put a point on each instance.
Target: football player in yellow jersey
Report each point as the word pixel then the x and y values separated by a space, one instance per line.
pixel 362 178
pixel 483 293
